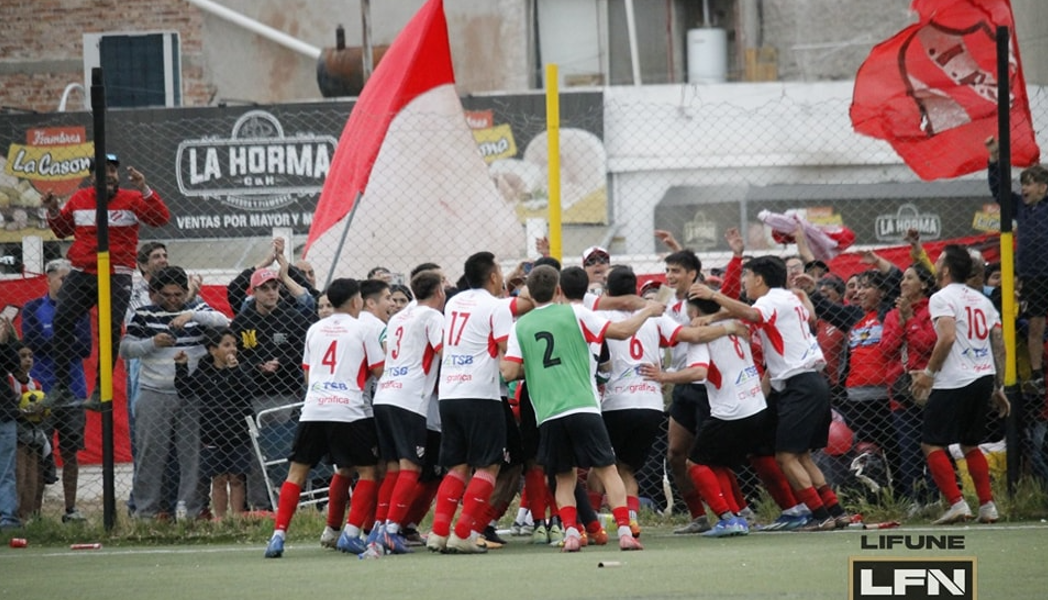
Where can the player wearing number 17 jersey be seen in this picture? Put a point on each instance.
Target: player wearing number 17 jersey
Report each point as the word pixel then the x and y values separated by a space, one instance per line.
pixel 476 325
pixel 800 396
pixel 964 371
pixel 335 421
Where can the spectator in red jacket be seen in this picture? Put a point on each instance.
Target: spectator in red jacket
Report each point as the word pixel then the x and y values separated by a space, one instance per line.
pixel 126 209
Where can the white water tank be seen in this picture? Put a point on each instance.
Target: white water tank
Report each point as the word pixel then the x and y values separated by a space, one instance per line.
pixel 707 55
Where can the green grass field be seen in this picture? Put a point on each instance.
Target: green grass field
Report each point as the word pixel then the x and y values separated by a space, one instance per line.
pixel 1012 564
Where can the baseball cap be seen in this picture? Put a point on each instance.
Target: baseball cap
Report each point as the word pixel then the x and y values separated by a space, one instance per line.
pixel 649 285
pixel 594 251
pixel 261 276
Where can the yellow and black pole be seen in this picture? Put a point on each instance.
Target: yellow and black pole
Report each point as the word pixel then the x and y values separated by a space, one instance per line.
pixel 556 247
pixel 105 302
pixel 1004 199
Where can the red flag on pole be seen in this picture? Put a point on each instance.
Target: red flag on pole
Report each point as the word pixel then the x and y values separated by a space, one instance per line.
pixel 407 177
pixel 931 90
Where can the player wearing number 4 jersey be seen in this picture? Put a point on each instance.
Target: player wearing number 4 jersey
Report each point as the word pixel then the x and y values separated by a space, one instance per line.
pixel 964 372
pixel 335 422
pixel 800 395
pixel 551 347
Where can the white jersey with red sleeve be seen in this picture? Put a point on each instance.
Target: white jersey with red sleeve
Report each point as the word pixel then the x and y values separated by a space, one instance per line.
pixel 790 347
pixel 678 311
pixel 732 380
pixel 971 356
pixel 337 359
pixel 475 322
pixel 376 335
pixel 626 388
pixel 414 339
pixel 593 326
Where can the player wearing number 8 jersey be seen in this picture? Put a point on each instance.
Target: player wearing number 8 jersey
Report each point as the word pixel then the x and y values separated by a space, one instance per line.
pixel 964 371
pixel 335 421
pixel 800 396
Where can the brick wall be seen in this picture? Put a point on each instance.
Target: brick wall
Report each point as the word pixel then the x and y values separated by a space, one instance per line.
pixel 41 45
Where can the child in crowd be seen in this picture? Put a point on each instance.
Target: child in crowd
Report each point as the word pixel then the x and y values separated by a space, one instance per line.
pixel 33 446
pixel 224 391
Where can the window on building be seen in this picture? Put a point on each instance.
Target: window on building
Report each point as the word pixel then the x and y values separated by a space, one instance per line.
pixel 140 68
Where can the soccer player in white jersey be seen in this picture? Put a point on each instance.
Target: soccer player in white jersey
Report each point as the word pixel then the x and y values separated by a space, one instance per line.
pixel 737 422
pixel 632 407
pixel 403 398
pixel 476 325
pixel 378 304
pixel 335 421
pixel 800 394
pixel 965 371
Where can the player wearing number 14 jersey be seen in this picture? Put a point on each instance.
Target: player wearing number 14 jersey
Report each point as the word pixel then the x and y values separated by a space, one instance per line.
pixel 800 395
pixel 335 421
pixel 964 371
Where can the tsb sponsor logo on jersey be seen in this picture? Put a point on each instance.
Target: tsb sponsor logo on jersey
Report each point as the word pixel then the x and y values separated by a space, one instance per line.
pixel 324 386
pixel 458 360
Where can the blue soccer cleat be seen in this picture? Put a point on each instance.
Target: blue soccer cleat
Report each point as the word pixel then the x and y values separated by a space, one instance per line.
pixel 275 548
pixel 349 544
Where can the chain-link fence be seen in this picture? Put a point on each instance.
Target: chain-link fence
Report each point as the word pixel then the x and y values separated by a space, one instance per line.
pixel 693 161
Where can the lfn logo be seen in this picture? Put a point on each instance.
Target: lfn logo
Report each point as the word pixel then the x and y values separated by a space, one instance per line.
pixel 911 578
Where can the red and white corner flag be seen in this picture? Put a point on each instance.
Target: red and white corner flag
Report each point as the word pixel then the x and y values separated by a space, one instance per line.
pixel 931 90
pixel 409 161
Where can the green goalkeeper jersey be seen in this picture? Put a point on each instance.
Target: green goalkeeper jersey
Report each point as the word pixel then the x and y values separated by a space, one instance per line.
pixel 553 342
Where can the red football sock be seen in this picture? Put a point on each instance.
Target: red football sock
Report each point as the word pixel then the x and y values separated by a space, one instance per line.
pixel 942 472
pixel 286 506
pixel 736 491
pixel 474 502
pixel 362 507
pixel 338 496
pixel 622 516
pixel 424 494
pixel 705 479
pixel 633 504
pixel 535 484
pixel 828 497
pixel 811 499
pixel 569 517
pixel 596 499
pixel 979 469
pixel 448 496
pixel 403 496
pixel 724 479
pixel 774 481
pixel 693 499
pixel 385 495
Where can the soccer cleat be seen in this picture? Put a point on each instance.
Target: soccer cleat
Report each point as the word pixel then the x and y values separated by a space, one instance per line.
pixel 492 535
pixel 785 522
pixel 628 542
pixel 375 535
pixel 412 537
pixel 73 515
pixel 635 528
pixel 436 543
pixel 957 513
pixel 540 535
pixel 275 548
pixel 329 538
pixel 988 513
pixel 394 543
pixel 457 545
pixel 350 544
pixel 571 544
pixel 725 528
pixel 748 514
pixel 519 529
pixel 697 525
pixel 843 521
pixel 828 524
pixel 583 539
pixel 739 525
pixel 599 538
pixel 556 535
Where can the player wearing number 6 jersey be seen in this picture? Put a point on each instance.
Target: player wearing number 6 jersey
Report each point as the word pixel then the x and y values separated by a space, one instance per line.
pixel 335 421
pixel 964 371
pixel 551 347
pixel 800 395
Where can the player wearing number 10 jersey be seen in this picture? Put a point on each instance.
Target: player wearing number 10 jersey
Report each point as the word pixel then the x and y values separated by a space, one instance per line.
pixel 335 421
pixel 964 371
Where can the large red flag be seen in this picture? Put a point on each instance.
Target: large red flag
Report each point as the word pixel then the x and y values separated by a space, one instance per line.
pixel 407 159
pixel 931 90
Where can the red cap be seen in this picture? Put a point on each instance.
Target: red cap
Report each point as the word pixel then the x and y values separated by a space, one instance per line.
pixel 261 276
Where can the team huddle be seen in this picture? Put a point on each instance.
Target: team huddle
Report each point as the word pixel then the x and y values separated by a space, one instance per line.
pixel 458 396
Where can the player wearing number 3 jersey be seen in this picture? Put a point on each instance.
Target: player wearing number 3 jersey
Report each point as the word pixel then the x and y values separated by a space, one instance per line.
pixel 964 371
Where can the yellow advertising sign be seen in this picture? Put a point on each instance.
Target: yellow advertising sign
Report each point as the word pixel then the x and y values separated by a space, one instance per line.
pixel 49 163
pixel 495 142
